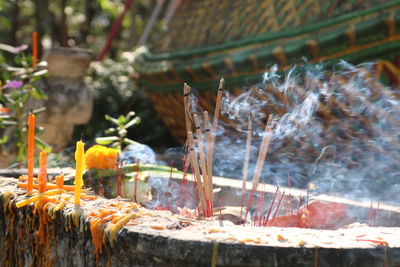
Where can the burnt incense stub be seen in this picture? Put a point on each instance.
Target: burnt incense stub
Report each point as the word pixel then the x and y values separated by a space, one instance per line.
pixel 160 238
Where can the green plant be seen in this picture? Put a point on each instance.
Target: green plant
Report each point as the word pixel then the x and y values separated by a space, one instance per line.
pixel 116 93
pixel 120 129
pixel 19 88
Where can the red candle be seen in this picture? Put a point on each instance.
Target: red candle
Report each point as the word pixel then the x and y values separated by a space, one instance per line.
pixel 35 48
pixel 31 149
pixel 42 179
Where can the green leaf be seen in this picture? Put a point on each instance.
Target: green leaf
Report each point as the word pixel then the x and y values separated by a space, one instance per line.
pixel 9 123
pixel 110 130
pixel 3 98
pixel 39 110
pixel 121 120
pixel 106 140
pixel 39 130
pixel 40 73
pixel 113 120
pixel 42 145
pixel 38 94
pixel 134 121
pixel 5 23
pixel 109 7
pixel 3 140
pixel 115 145
pixel 130 114
pixel 122 133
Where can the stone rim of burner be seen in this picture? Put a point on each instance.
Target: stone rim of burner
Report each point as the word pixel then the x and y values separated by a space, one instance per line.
pixel 174 252
pixel 141 247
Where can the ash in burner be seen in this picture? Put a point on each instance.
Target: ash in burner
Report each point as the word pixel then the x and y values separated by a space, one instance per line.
pixel 339 131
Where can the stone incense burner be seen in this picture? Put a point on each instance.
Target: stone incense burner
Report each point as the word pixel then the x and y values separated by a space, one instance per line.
pixel 29 236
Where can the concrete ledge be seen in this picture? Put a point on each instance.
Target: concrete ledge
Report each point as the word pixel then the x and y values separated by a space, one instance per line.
pixel 195 245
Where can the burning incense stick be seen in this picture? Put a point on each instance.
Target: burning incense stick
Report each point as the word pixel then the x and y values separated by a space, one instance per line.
pixel 193 156
pixel 246 162
pixel 208 149
pixel 186 105
pixel 207 185
pixel 217 108
pixel 261 158
pixel 216 116
pixel 263 150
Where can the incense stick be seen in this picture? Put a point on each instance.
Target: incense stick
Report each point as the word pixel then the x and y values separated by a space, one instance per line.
pixel 263 150
pixel 271 206
pixel 290 195
pixel 277 207
pixel 200 191
pixel 217 108
pixel 186 105
pixel 261 198
pixel 246 163
pixel 208 151
pixel 207 186
pixel 216 116
pixel 135 198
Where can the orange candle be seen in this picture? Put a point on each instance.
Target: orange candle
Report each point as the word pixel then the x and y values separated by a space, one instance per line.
pixel 31 149
pixel 80 165
pixel 35 48
pixel 49 186
pixel 42 172
pixel 60 181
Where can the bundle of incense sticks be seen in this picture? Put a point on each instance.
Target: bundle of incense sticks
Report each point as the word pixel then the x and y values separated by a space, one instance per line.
pixel 272 121
pixel 202 152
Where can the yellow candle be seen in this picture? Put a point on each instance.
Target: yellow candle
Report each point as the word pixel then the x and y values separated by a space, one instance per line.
pixel 80 165
pixel 31 148
pixel 42 178
pixel 37 197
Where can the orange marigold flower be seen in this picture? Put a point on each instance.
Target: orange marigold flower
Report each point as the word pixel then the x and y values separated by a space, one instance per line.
pixel 101 157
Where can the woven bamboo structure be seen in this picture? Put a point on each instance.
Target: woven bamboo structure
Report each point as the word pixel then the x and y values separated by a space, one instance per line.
pixel 240 40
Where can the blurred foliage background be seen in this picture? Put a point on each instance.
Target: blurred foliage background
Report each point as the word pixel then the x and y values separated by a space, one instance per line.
pixel 83 23
pixel 87 24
